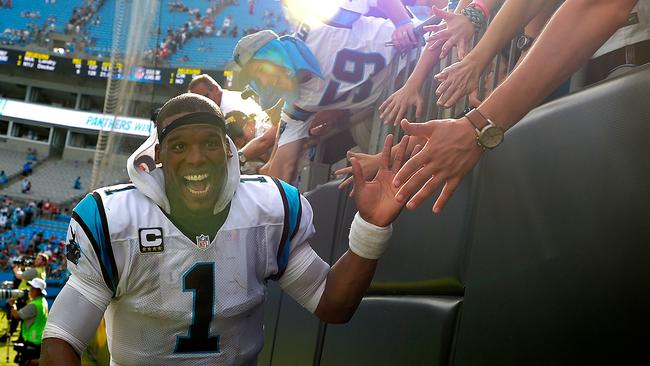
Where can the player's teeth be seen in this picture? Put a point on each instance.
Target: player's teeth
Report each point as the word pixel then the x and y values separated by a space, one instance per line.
pixel 196 177
pixel 201 192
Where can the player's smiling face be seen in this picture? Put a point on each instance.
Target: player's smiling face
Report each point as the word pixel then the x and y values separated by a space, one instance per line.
pixel 193 160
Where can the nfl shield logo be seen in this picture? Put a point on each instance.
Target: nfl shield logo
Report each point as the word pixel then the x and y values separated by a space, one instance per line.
pixel 203 241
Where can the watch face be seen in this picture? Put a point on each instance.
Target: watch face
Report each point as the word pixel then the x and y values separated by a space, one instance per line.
pixel 490 137
pixel 523 42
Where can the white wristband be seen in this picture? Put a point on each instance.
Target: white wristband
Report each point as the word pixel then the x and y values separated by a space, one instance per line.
pixel 367 240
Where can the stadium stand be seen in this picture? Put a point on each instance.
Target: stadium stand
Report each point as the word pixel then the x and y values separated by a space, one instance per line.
pixel 209 51
pixel 53 180
pixel 23 14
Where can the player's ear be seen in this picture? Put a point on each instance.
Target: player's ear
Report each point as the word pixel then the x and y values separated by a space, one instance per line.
pixel 157 154
pixel 229 152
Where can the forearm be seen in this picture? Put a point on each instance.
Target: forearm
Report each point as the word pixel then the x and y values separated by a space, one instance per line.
pixel 511 18
pixel 394 10
pixel 428 60
pixel 346 284
pixel 572 35
pixel 255 148
pixel 56 352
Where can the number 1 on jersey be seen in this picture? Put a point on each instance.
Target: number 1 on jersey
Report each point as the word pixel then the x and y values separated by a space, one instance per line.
pixel 200 281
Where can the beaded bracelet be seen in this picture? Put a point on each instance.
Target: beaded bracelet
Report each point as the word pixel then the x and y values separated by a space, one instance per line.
pixel 475 15
pixel 481 5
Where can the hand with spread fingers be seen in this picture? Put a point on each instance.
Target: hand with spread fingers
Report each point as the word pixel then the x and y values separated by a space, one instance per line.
pixel 455 31
pixel 369 165
pixel 450 152
pixel 404 37
pixel 375 199
pixel 396 106
pixel 457 80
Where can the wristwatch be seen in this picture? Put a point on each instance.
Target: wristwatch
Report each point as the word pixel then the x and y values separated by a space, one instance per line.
pixel 489 135
pixel 524 42
pixel 242 157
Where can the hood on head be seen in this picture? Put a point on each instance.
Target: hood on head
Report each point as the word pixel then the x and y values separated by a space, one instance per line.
pixel 152 183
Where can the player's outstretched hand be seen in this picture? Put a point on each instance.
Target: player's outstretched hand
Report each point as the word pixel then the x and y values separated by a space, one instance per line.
pixel 456 81
pixel 449 154
pixel 394 108
pixel 375 199
pixel 455 31
pixel 369 165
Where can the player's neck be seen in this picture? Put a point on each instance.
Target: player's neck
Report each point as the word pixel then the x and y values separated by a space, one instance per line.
pixel 195 225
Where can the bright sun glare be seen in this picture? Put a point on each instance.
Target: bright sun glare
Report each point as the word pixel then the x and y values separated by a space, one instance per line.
pixel 312 11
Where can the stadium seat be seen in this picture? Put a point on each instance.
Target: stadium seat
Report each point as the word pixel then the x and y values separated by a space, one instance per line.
pixel 559 247
pixel 394 331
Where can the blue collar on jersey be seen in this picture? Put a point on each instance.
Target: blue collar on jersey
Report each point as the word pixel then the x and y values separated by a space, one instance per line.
pixel 292 54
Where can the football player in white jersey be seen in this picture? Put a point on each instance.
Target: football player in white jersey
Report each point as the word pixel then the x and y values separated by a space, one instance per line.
pixel 178 261
pixel 342 63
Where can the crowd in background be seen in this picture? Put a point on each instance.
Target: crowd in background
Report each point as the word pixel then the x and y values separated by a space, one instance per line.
pixel 16 244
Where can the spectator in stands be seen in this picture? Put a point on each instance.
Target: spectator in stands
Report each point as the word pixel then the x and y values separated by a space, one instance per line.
pixel 77 183
pixel 19 215
pixel 461 78
pixel 30 155
pixel 47 206
pixel 3 222
pixel 456 30
pixel 3 179
pixel 251 7
pixel 252 154
pixel 27 168
pixel 25 186
pixel 289 68
pixel 451 150
pixel 226 25
pixel 240 128
pixel 34 317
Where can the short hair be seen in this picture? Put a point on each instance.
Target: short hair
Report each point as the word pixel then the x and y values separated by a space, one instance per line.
pixel 235 123
pixel 202 79
pixel 187 103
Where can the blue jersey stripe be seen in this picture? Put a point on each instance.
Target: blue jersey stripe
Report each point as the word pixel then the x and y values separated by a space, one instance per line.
pixel 297 113
pixel 343 18
pixel 293 199
pixel 292 211
pixel 92 219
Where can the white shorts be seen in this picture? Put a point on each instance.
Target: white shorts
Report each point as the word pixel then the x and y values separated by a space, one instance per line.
pixel 293 130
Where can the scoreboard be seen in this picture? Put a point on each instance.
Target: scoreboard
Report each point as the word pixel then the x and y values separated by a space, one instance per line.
pixel 92 68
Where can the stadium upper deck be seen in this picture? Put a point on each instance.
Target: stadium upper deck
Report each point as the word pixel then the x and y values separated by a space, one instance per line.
pixel 207 42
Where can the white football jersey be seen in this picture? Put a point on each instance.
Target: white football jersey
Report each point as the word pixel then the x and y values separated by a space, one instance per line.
pixel 354 61
pixel 176 300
